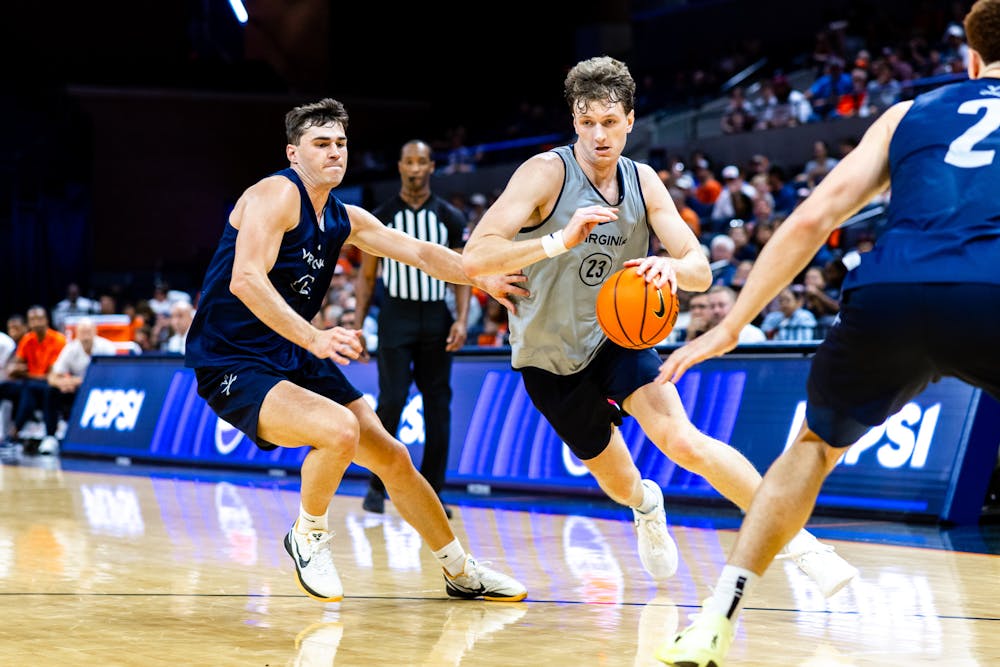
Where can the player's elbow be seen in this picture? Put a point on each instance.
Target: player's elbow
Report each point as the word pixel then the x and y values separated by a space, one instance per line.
pixel 702 278
pixel 472 263
pixel 239 285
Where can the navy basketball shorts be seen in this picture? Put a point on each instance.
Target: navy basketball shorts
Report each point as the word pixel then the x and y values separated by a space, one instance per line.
pixel 890 342
pixel 235 393
pixel 577 405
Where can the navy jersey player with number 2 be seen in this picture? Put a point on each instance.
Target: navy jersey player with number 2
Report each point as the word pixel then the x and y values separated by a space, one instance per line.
pixel 924 303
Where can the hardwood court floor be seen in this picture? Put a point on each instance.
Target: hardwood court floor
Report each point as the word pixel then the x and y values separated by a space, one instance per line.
pixel 110 566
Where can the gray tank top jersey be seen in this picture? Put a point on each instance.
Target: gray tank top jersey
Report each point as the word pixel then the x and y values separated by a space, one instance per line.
pixel 556 327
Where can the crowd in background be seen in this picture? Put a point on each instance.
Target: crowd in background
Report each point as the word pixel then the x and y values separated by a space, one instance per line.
pixel 732 208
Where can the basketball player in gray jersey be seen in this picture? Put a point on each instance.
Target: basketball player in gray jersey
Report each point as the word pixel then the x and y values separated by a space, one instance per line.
pixel 568 219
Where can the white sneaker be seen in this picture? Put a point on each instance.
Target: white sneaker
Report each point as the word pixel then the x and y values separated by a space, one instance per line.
pixel 657 550
pixel 48 446
pixel 823 565
pixel 314 568
pixel 479 581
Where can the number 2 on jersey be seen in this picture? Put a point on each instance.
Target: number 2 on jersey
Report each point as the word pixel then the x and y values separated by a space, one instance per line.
pixel 960 151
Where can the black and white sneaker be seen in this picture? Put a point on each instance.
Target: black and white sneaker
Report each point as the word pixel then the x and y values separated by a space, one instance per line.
pixel 479 581
pixel 314 568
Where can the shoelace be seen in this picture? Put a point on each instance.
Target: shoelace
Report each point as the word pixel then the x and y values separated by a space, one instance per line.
pixel 321 552
pixel 656 529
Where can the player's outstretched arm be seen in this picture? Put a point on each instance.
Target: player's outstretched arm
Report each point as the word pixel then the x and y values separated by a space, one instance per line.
pixel 861 175
pixel 371 236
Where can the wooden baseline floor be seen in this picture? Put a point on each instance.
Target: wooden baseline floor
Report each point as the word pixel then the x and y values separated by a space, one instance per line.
pixel 100 568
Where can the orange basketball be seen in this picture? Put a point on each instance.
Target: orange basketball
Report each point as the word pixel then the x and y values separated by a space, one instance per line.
pixel 634 313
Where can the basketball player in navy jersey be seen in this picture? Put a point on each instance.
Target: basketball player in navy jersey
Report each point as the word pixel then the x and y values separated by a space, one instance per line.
pixel 570 217
pixel 266 370
pixel 924 303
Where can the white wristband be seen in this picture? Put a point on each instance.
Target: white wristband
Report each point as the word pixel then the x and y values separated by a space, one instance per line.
pixel 553 244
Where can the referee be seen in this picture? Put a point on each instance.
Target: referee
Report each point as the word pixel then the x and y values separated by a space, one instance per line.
pixel 416 331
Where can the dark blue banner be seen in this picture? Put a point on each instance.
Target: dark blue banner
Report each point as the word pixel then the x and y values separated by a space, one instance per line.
pixel 933 458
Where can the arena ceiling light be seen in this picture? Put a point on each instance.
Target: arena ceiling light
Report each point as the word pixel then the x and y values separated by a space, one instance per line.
pixel 239 10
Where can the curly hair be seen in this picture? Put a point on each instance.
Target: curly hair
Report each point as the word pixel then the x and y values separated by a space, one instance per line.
pixel 599 79
pixel 982 29
pixel 327 111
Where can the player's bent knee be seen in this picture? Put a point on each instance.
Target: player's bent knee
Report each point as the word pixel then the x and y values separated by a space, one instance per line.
pixel 683 450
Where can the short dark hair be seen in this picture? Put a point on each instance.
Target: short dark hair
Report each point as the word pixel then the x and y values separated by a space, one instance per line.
pixel 600 79
pixel 327 111
pixel 982 30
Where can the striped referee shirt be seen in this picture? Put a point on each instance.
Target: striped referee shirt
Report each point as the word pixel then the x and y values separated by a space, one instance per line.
pixel 437 221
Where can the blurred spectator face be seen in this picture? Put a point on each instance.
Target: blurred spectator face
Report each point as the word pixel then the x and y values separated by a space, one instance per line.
pixel 180 317
pixel 348 319
pixel 741 273
pixel 16 328
pixel 814 278
pixel 108 305
pixel 788 302
pixel 719 305
pixel 739 235
pixel 86 330
pixel 143 337
pixel 699 306
pixel 38 321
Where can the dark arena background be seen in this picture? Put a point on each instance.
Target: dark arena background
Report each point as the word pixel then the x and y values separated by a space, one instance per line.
pixel 145 530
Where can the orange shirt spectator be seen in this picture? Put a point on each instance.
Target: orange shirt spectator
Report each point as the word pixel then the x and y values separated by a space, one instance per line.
pixel 40 354
pixel 708 191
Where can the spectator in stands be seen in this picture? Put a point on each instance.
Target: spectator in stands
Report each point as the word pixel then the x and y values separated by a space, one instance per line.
pixel 38 349
pixel 720 302
pixel 855 102
pixel 12 369
pixel 707 187
pixel 955 48
pixel 495 331
pixel 740 275
pixel 883 90
pixel 73 304
pixel 819 165
pixel 825 92
pixel 735 200
pixel 721 249
pixel 8 345
pixel 824 304
pixel 788 108
pixel 181 314
pixel 782 191
pixel 68 371
pixel 790 322
pixel 680 193
pixel 742 246
pixel 738 115
pixel 700 319
pixel 143 338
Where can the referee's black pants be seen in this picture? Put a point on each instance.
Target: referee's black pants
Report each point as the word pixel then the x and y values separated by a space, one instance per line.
pixel 411 349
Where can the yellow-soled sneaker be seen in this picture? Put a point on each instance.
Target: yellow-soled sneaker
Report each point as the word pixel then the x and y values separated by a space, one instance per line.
pixel 704 643
pixel 314 569
pixel 479 581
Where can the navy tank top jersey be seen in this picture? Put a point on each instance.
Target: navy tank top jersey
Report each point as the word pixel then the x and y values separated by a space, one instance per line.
pixel 224 331
pixel 944 211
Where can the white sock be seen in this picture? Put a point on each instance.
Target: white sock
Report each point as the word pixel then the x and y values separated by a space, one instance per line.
pixel 308 522
pixel 731 591
pixel 649 501
pixel 802 542
pixel 452 557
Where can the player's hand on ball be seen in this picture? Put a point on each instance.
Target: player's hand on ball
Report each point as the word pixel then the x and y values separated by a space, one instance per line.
pixel 657 270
